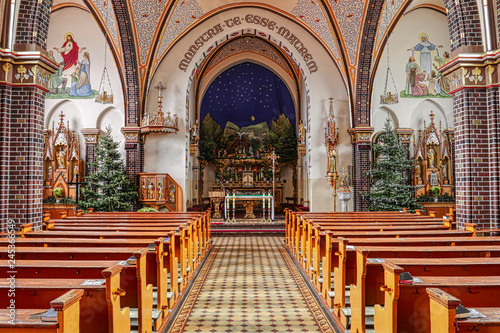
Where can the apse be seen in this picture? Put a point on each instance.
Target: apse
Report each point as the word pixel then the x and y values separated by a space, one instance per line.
pixel 247 94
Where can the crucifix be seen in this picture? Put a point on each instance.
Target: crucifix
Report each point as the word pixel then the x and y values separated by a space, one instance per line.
pixel 77 183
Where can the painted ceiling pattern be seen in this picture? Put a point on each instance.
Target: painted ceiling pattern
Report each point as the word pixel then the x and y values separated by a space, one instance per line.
pixel 390 10
pixel 105 9
pixel 311 13
pixel 146 17
pixel 248 45
pixel 349 16
pixel 185 13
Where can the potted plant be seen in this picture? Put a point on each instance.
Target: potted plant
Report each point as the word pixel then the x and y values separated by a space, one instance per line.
pixel 435 191
pixel 58 193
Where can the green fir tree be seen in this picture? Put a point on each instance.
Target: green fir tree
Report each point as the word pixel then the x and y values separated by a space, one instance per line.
pixel 390 189
pixel 108 189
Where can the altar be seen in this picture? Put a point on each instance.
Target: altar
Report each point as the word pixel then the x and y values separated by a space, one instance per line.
pixel 249 201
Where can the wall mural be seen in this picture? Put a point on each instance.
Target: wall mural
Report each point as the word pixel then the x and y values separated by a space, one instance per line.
pixel 423 79
pixel 72 79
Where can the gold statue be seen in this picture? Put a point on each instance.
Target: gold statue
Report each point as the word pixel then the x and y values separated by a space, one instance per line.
pixel 61 163
pixel 332 161
pixel 430 156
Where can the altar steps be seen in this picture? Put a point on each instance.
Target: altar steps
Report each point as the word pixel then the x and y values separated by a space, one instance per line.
pixel 245 227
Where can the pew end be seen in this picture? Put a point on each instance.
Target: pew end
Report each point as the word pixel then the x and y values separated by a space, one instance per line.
pixel 118 318
pixel 385 318
pixel 442 307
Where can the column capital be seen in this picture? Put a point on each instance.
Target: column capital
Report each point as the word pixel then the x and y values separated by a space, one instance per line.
pixel 91 135
pixel 26 68
pixel 132 135
pixel 361 135
pixel 405 134
pixel 472 71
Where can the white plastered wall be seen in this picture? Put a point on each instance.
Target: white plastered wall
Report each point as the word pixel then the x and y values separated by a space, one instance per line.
pixel 411 112
pixel 85 113
pixel 167 153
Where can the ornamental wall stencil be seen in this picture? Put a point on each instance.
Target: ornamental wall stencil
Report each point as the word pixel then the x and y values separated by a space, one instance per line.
pixel 184 14
pixel 105 9
pixel 312 14
pixel 390 10
pixel 248 45
pixel 349 16
pixel 146 17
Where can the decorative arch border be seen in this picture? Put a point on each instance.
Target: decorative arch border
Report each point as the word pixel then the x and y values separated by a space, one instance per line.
pixel 152 69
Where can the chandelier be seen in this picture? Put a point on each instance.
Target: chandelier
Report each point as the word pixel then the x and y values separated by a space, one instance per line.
pixel 159 122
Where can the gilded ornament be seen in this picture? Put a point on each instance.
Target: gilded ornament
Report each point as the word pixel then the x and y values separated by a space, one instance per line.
pixel 490 69
pixel 6 68
pixel 477 75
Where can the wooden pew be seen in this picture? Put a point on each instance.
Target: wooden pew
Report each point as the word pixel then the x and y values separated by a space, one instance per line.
pixel 406 307
pixel 67 307
pixel 370 277
pixel 443 320
pixel 133 279
pixel 161 260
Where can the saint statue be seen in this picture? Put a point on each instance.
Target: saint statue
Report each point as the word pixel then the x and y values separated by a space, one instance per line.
pixel 417 172
pixel 302 132
pixel 430 157
pixel 60 158
pixel 332 161
pixel 444 171
pixel 49 172
pixel 75 170
pixel 151 190
pixel 160 191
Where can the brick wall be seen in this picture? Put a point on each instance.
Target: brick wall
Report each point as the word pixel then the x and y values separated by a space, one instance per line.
pixel 89 157
pixel 135 158
pixel 5 98
pixel 130 59
pixel 26 154
pixel 33 22
pixel 361 165
pixel 492 96
pixel 472 160
pixel 134 165
pixel 361 159
pixel 463 23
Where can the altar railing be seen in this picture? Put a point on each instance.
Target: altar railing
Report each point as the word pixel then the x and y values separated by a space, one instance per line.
pixel 159 189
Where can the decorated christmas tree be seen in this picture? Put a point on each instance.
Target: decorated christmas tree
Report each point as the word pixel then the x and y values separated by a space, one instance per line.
pixel 108 188
pixel 389 173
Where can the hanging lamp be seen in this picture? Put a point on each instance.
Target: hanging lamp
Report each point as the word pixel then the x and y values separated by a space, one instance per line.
pixel 389 97
pixel 103 96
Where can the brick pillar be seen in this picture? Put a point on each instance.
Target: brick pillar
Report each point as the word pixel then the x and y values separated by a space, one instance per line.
pixel 492 97
pixel 474 85
pixel 91 136
pixel 5 99
pixel 22 93
pixel 134 149
pixel 361 139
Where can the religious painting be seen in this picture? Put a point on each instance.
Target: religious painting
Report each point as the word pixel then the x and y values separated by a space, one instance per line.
pixel 423 79
pixel 72 79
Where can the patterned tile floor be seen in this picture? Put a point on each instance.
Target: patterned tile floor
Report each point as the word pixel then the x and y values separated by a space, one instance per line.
pixel 249 284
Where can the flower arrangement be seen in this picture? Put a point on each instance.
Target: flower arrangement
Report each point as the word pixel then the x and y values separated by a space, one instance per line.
pixel 57 192
pixel 435 191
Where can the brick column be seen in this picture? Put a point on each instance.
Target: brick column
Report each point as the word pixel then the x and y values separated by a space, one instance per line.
pixel 21 116
pixel 474 84
pixel 5 98
pixel 361 151
pixel 91 137
pixel 134 149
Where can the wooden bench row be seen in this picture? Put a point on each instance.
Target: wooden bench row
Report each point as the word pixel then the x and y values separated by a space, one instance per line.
pixel 143 269
pixel 365 269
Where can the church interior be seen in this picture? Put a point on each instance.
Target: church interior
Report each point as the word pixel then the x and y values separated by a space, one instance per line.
pixel 217 166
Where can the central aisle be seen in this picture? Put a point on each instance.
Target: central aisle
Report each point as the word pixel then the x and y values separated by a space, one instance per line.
pixel 250 284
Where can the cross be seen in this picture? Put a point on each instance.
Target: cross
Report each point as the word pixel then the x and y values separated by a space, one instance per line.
pixel 77 183
pixel 160 88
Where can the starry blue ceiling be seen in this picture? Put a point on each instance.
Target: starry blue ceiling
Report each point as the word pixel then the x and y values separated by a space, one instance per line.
pixel 247 94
